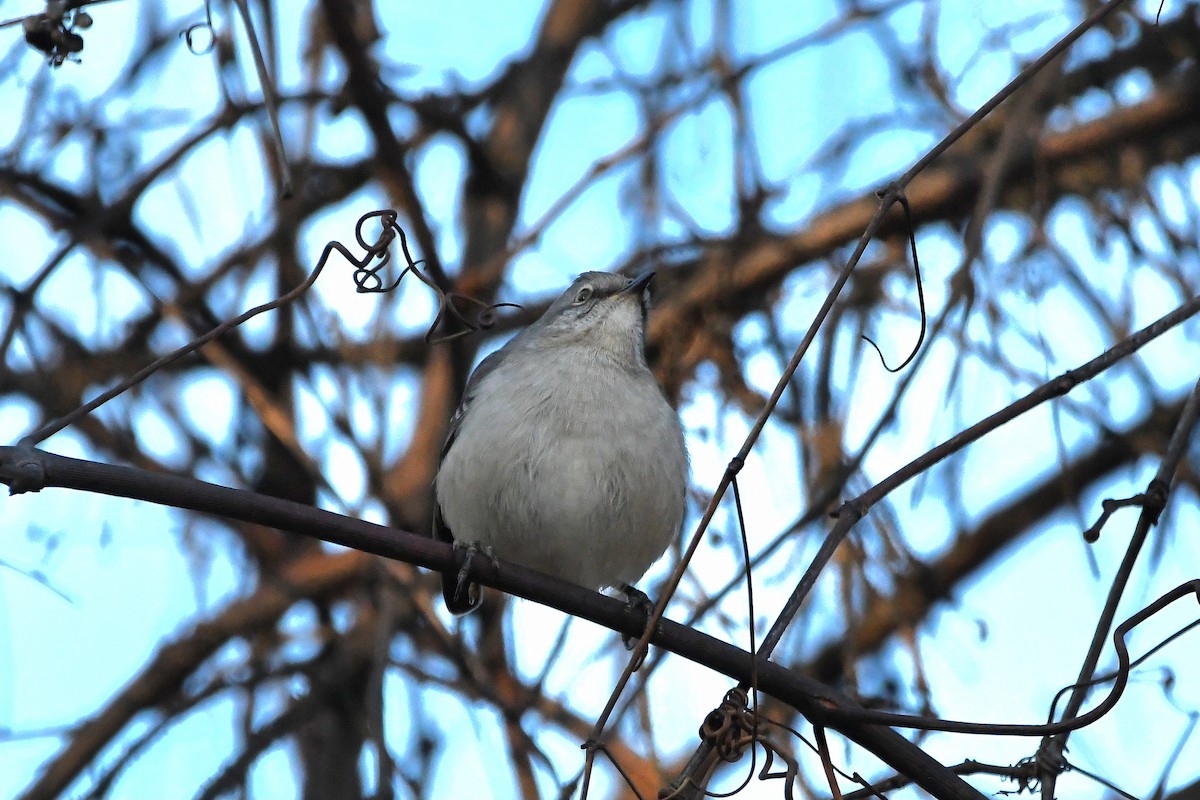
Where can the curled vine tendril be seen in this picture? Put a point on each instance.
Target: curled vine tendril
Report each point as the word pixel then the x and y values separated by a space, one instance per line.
pixel 728 731
pixel 190 31
pixel 367 280
pixel 912 241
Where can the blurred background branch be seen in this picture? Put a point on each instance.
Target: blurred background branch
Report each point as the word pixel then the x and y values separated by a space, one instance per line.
pixel 733 147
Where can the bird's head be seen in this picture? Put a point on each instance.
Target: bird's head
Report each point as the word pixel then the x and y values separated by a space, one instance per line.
pixel 602 309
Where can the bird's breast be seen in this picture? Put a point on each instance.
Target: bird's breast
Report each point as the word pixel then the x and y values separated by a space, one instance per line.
pixel 576 481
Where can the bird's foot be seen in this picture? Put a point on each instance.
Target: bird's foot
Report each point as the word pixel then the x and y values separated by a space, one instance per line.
pixel 471 549
pixel 637 603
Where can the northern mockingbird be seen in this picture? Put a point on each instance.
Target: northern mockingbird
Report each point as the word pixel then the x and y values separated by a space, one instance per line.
pixel 564 455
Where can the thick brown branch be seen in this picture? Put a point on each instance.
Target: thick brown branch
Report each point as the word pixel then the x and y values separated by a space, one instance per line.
pixel 26 470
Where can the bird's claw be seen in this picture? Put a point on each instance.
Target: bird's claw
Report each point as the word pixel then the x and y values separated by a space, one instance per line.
pixel 471 550
pixel 636 602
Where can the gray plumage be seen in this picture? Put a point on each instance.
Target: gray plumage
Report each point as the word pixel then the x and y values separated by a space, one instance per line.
pixel 564 455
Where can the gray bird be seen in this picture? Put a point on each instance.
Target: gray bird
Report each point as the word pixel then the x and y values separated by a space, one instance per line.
pixel 564 455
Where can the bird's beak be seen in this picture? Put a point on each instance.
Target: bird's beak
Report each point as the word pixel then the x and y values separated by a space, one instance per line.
pixel 638 284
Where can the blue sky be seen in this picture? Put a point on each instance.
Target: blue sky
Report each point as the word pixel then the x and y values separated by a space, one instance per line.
pixel 127 576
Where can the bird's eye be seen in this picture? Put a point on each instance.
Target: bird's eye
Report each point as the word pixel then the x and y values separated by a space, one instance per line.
pixel 584 295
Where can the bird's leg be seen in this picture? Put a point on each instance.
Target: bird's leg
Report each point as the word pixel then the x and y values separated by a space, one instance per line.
pixel 636 602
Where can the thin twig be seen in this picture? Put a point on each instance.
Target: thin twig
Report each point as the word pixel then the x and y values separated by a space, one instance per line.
pixel 854 510
pixel 270 98
pixel 1050 752
pixel 377 250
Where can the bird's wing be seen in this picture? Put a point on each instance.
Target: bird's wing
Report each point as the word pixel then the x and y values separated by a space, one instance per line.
pixel 485 368
pixel 461 598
